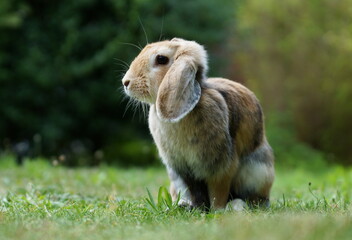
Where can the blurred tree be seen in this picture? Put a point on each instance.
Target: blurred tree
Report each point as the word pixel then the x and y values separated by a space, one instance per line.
pixel 297 55
pixel 59 62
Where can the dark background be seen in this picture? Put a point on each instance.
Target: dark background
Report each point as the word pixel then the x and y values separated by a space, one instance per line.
pixel 61 64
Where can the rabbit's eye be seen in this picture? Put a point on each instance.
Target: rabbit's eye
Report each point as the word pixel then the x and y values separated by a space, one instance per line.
pixel 162 60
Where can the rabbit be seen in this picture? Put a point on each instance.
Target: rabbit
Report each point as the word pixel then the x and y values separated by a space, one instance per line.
pixel 209 131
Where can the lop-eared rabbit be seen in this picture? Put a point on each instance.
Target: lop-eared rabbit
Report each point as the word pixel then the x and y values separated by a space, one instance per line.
pixel 209 131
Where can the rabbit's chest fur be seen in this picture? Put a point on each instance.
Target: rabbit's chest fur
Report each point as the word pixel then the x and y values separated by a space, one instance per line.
pixel 195 145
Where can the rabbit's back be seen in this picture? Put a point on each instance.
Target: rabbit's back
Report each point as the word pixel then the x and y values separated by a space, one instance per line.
pixel 246 124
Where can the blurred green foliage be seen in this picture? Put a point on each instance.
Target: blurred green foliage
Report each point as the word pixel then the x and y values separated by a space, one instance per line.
pixel 290 153
pixel 297 56
pixel 61 63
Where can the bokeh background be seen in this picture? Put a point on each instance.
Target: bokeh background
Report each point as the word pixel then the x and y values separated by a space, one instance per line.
pixel 61 64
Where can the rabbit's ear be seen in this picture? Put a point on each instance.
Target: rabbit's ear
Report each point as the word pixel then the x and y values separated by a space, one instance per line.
pixel 179 91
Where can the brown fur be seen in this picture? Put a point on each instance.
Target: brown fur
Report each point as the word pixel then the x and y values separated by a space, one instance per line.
pixel 209 132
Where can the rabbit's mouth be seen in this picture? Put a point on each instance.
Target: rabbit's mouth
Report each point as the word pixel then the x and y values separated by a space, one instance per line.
pixel 136 88
pixel 138 94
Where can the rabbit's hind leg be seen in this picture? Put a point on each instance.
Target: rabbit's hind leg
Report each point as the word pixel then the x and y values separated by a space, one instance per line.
pixel 255 177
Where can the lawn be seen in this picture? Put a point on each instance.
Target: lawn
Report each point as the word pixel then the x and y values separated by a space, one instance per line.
pixel 41 201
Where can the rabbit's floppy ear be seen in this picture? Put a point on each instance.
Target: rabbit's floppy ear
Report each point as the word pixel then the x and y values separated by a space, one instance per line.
pixel 179 91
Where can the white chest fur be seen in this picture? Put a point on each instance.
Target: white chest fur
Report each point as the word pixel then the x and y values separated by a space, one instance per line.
pixel 175 141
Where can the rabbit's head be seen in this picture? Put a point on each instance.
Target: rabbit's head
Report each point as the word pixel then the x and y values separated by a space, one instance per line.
pixel 168 74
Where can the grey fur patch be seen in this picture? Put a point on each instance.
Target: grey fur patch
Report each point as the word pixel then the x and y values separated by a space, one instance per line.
pixel 263 154
pixel 234 115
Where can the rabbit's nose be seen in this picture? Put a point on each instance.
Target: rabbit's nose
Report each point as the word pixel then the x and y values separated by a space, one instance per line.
pixel 126 83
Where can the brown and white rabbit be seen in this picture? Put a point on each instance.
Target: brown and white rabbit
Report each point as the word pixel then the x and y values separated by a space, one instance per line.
pixel 209 132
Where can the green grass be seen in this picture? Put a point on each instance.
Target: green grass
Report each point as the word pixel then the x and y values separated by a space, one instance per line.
pixel 40 201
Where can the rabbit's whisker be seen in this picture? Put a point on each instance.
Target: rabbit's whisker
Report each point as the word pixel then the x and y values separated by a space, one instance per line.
pixel 131 44
pixel 161 29
pixel 145 33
